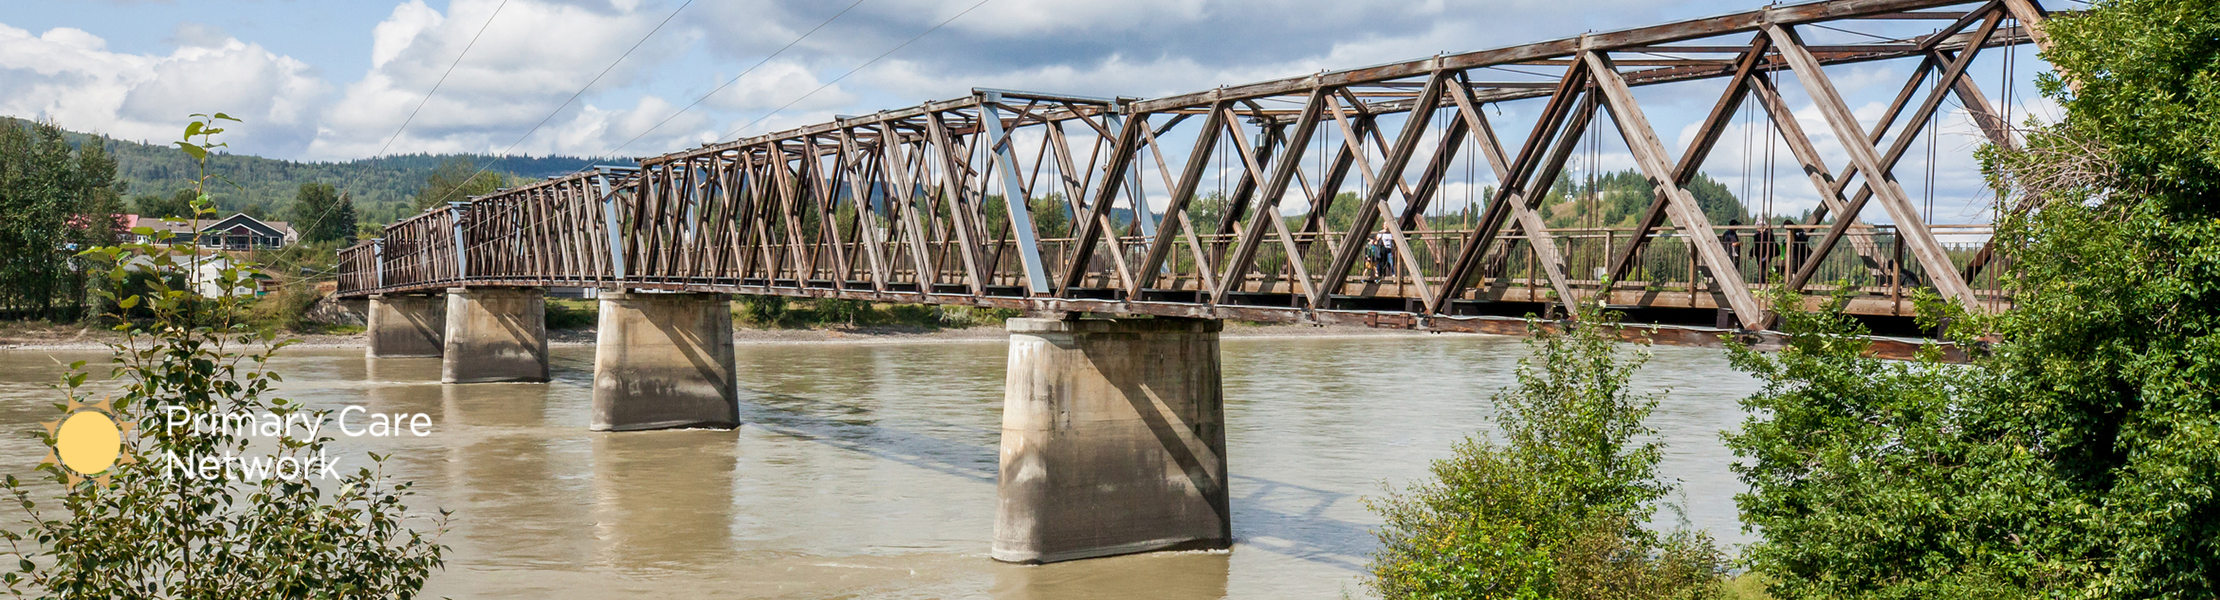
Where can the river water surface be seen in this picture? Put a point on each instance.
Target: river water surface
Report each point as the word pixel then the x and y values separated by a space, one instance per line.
pixel 867 470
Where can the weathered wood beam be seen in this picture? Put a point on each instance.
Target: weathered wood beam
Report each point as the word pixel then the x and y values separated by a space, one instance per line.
pixel 1911 229
pixel 1388 178
pixel 1691 161
pixel 1198 161
pixel 1482 236
pixel 1649 152
pixel 1525 221
pixel 1274 187
pixel 1267 208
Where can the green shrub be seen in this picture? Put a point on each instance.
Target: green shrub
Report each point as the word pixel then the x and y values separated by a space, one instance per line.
pixel 915 315
pixel 572 314
pixel 2081 457
pixel 974 316
pixel 1557 510
pixel 836 311
pixel 136 529
pixel 762 311
pixel 287 308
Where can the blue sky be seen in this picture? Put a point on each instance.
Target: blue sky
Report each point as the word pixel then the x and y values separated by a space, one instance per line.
pixel 335 80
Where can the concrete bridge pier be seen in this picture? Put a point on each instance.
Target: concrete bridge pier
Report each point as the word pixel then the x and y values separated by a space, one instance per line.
pixel 1113 440
pixel 406 326
pixel 495 334
pixel 664 361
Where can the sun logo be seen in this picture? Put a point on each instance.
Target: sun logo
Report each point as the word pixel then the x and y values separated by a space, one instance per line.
pixel 88 442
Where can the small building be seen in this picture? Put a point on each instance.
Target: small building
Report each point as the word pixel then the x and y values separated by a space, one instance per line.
pixel 207 269
pixel 236 232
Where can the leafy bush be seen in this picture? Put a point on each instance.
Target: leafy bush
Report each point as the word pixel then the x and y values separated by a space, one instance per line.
pixel 572 314
pixel 1557 511
pixel 140 530
pixel 2082 458
pixel 780 311
pixel 1881 479
pixel 836 311
pixel 762 311
pixel 287 308
pixel 973 316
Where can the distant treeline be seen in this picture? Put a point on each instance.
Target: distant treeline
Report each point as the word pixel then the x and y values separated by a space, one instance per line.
pixel 380 188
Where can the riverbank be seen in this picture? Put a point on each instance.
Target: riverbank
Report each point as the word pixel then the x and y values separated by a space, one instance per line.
pixel 40 336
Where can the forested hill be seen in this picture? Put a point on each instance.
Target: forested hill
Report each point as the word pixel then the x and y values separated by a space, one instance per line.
pixel 381 187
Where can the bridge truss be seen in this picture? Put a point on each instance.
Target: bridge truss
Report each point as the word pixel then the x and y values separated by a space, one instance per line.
pixel 1313 176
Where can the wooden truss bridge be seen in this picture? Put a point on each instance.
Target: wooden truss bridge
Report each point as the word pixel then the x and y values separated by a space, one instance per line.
pixel 1340 197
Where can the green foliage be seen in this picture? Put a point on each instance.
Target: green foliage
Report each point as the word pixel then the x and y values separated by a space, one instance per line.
pixel 56 199
pixel 762 311
pixel 2148 73
pixel 177 205
pixel 835 311
pixel 779 311
pixel 1880 479
pixel 1557 510
pixel 962 316
pixel 381 187
pixel 2081 458
pixel 147 532
pixel 572 314
pixel 455 181
pixel 322 214
pixel 1617 199
pixel 285 309
pixel 1052 216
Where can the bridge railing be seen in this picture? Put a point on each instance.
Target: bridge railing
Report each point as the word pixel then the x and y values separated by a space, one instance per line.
pixel 1764 257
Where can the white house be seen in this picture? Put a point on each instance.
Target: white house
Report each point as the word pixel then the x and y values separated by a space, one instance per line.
pixel 236 232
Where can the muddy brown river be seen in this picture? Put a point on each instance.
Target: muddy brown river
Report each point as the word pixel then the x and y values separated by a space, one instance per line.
pixel 867 470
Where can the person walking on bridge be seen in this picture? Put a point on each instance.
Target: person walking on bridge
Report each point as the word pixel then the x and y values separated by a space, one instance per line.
pixel 1733 242
pixel 1799 244
pixel 1383 256
pixel 1765 249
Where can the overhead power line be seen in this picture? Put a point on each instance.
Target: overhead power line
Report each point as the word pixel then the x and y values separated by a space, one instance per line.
pixel 319 220
pixel 736 78
pixel 442 78
pixel 736 132
pixel 574 97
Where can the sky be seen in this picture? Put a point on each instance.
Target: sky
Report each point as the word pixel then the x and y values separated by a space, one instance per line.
pixel 329 80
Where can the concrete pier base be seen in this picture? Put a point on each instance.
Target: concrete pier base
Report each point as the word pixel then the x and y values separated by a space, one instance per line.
pixel 495 334
pixel 1113 440
pixel 664 361
pixel 412 326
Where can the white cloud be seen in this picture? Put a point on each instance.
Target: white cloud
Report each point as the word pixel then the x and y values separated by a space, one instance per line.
pixel 777 83
pixel 537 53
pixel 531 58
pixel 1010 18
pixel 196 35
pixel 69 76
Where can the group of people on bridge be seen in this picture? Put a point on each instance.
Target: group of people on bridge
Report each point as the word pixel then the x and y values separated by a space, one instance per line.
pixel 1788 248
pixel 1766 246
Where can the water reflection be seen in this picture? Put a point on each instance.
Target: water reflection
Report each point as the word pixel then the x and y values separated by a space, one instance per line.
pixel 504 462
pixel 1160 575
pixel 663 499
pixel 400 371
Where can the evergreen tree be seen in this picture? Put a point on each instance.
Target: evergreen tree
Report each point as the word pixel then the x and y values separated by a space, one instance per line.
pixel 455 181
pixel 179 204
pixel 56 198
pixel 321 213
